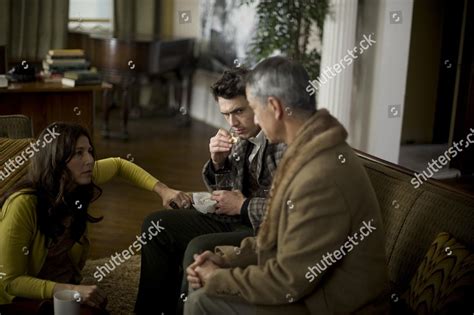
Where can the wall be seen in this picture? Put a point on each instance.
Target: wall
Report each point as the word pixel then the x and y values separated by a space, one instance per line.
pixel 192 29
pixel 203 108
pixel 423 72
pixel 380 78
pixel 367 20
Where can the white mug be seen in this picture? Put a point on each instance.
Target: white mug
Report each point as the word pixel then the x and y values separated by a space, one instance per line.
pixel 67 302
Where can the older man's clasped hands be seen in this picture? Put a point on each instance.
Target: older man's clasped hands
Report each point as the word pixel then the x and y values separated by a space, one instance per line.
pixel 203 267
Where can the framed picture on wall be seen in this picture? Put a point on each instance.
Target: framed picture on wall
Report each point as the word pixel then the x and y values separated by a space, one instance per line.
pixel 227 29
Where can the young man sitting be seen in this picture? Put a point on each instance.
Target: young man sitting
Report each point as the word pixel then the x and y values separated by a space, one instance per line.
pixel 247 167
pixel 320 249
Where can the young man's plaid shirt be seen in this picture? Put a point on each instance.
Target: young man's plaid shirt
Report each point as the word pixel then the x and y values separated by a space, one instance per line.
pixel 235 165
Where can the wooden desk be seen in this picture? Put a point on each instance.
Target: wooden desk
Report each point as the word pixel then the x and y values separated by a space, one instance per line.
pixel 46 103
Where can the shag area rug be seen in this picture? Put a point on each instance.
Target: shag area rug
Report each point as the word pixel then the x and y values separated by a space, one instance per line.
pixel 120 285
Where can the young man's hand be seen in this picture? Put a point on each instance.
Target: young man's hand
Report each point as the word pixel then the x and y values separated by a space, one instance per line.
pixel 220 146
pixel 228 202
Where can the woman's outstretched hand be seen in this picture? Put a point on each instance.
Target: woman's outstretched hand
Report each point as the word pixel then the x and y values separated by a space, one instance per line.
pixel 173 198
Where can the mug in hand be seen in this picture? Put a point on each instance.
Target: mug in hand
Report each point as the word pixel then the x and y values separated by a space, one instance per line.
pixel 66 302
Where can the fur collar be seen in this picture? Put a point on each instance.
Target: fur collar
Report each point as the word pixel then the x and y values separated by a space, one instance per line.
pixel 320 132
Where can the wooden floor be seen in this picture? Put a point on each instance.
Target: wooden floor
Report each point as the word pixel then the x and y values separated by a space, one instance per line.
pixel 172 153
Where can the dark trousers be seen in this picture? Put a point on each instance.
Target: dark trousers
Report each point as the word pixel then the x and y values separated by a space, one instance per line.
pixel 166 256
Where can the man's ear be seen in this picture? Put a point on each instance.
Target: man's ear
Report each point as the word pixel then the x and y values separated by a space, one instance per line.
pixel 276 107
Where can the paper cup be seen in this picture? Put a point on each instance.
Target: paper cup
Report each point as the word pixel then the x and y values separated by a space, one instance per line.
pixel 67 302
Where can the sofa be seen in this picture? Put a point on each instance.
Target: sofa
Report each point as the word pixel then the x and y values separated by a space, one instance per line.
pixel 413 217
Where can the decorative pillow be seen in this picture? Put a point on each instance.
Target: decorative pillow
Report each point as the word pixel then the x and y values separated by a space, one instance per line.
pixel 12 171
pixel 444 281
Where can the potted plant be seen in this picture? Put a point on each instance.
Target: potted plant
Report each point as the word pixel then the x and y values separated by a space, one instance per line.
pixel 285 27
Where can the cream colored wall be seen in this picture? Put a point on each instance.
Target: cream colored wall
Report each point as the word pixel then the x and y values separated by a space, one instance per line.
pixel 380 78
pixel 204 107
pixel 144 23
pixel 423 72
pixel 364 71
pixel 192 29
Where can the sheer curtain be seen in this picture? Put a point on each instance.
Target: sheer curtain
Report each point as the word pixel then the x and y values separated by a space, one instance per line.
pixel 125 17
pixel 136 17
pixel 29 28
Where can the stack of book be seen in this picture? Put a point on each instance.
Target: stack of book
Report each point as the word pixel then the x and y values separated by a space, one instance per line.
pixel 59 61
pixel 81 77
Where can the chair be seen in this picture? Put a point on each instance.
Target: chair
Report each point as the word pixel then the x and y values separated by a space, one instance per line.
pixel 11 148
pixel 15 127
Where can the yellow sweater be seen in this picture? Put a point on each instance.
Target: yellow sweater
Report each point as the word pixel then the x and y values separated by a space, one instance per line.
pixel 22 246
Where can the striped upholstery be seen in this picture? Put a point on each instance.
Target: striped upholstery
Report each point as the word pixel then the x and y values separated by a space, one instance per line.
pixel 414 217
pixel 15 126
pixel 444 282
pixel 11 148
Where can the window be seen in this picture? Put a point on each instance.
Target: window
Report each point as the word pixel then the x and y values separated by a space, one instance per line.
pixel 91 15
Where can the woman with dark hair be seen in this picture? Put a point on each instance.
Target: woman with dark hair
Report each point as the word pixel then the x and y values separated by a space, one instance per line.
pixel 47 213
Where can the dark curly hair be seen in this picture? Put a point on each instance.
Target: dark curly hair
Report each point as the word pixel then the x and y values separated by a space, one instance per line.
pixel 231 84
pixel 51 182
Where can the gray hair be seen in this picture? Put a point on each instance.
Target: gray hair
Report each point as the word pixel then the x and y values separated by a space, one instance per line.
pixel 283 79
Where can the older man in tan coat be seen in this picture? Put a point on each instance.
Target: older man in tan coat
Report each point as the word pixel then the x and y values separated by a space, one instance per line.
pixel 320 249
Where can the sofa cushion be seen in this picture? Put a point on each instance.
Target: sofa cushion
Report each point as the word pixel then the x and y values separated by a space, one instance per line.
pixel 10 149
pixel 444 281
pixel 433 212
